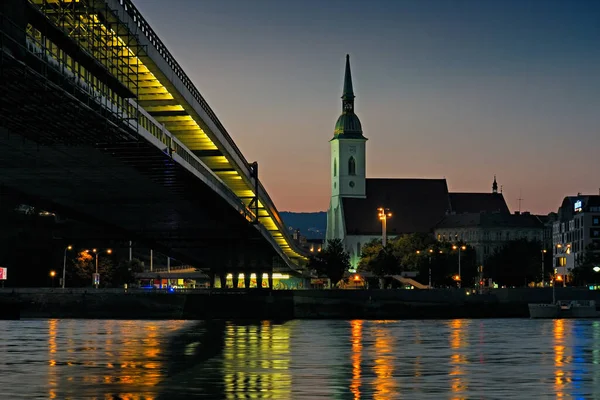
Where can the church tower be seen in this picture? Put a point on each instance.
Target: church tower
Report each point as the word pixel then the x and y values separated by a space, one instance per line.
pixel 495 186
pixel 348 160
pixel 348 153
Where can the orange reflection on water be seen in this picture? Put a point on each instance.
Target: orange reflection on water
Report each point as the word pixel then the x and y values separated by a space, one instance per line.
pixel 52 377
pixel 385 386
pixel 256 360
pixel 457 359
pixel 356 328
pixel 561 375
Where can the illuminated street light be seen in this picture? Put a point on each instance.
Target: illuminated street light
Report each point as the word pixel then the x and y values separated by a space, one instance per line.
pixel 97 276
pixel 544 251
pixel 69 247
pixel 384 214
pixel 459 248
pixel 52 275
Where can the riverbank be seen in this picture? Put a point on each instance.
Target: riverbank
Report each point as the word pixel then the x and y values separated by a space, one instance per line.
pixel 279 304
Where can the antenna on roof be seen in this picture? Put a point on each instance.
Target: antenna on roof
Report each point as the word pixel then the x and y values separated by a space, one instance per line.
pixel 520 199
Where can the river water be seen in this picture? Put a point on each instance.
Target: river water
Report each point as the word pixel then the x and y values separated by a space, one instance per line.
pixel 443 359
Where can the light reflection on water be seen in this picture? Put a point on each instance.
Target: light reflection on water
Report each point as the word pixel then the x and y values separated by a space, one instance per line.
pixel 453 359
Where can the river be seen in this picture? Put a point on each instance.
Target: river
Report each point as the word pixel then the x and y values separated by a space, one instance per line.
pixel 302 359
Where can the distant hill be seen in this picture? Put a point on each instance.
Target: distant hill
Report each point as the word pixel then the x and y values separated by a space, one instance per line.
pixel 312 225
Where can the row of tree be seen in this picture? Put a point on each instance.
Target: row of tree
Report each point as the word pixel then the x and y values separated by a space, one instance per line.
pixel 517 263
pixel 79 272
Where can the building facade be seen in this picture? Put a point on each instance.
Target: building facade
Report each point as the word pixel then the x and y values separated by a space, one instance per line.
pixel 576 227
pixel 488 232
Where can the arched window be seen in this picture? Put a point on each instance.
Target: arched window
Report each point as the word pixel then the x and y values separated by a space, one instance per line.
pixel 351 166
pixel 334 167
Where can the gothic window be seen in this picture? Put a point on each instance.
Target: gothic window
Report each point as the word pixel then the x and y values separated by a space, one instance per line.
pixel 334 167
pixel 351 166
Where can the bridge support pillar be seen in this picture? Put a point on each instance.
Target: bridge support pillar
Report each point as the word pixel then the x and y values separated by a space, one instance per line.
pixel 235 278
pixel 212 279
pixel 223 278
pixel 247 280
pixel 270 278
pixel 259 278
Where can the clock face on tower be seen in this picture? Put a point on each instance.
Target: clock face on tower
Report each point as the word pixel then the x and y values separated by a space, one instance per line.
pixel 351 184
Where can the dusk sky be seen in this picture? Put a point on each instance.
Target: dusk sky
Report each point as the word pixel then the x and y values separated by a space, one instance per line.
pixel 456 89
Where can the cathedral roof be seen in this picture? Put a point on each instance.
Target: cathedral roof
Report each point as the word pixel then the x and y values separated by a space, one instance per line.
pixel 417 205
pixel 478 202
pixel 491 220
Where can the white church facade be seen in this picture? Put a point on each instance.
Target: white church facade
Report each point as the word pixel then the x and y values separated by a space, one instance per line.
pixel 417 205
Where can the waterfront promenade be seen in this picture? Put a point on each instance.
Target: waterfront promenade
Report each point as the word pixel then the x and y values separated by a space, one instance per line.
pixel 280 304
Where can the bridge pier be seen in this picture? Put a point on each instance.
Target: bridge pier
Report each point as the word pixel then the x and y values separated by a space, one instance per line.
pixel 270 279
pixel 223 278
pixel 235 278
pixel 247 280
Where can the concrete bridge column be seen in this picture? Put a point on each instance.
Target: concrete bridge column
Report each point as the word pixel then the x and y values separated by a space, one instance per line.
pixel 259 279
pixel 247 280
pixel 270 278
pixel 211 279
pixel 223 278
pixel 235 278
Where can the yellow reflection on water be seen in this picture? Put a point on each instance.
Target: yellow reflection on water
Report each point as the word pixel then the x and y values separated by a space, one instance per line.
pixel 458 331
pixel 52 373
pixel 256 360
pixel 356 338
pixel 385 386
pixel 561 374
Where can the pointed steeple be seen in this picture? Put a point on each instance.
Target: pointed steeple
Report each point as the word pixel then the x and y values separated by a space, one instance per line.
pixel 348 125
pixel 348 93
pixel 495 186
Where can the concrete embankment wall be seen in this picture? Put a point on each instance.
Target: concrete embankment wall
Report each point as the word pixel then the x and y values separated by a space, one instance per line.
pixel 262 304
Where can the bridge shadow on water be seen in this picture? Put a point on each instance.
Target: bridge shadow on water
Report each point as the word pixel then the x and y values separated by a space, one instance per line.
pixel 219 359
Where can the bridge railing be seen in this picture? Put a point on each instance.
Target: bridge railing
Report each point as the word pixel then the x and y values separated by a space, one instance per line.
pixel 144 26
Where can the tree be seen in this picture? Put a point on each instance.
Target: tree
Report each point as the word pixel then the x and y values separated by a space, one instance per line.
pixel 515 264
pixel 332 262
pixel 125 271
pixel 81 272
pixel 583 273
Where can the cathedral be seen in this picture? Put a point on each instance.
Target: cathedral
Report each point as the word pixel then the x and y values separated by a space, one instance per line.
pixel 417 205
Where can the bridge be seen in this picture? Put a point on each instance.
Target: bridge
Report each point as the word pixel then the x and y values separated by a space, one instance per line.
pixel 99 121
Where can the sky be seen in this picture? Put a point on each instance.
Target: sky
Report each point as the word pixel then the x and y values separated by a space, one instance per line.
pixel 455 89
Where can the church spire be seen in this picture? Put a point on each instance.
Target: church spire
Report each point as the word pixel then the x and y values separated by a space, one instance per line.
pixel 348 125
pixel 495 186
pixel 348 94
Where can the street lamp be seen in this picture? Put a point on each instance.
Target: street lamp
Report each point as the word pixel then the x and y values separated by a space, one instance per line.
pixel 384 214
pixel 430 253
pixel 96 276
pixel 52 275
pixel 544 251
pixel 65 264
pixel 459 248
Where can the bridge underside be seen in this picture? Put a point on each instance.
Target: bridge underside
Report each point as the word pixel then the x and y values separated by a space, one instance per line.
pixel 69 156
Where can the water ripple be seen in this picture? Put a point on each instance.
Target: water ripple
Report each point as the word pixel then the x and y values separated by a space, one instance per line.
pixel 452 359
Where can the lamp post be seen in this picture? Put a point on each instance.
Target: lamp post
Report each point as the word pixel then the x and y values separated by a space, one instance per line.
pixel 429 254
pixel 543 252
pixel 65 265
pixel 52 275
pixel 459 248
pixel 96 252
pixel 384 214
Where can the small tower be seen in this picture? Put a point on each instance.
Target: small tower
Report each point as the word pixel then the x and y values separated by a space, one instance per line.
pixel 495 186
pixel 348 153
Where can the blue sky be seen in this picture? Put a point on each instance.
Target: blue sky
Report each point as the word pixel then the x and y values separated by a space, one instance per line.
pixel 456 89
